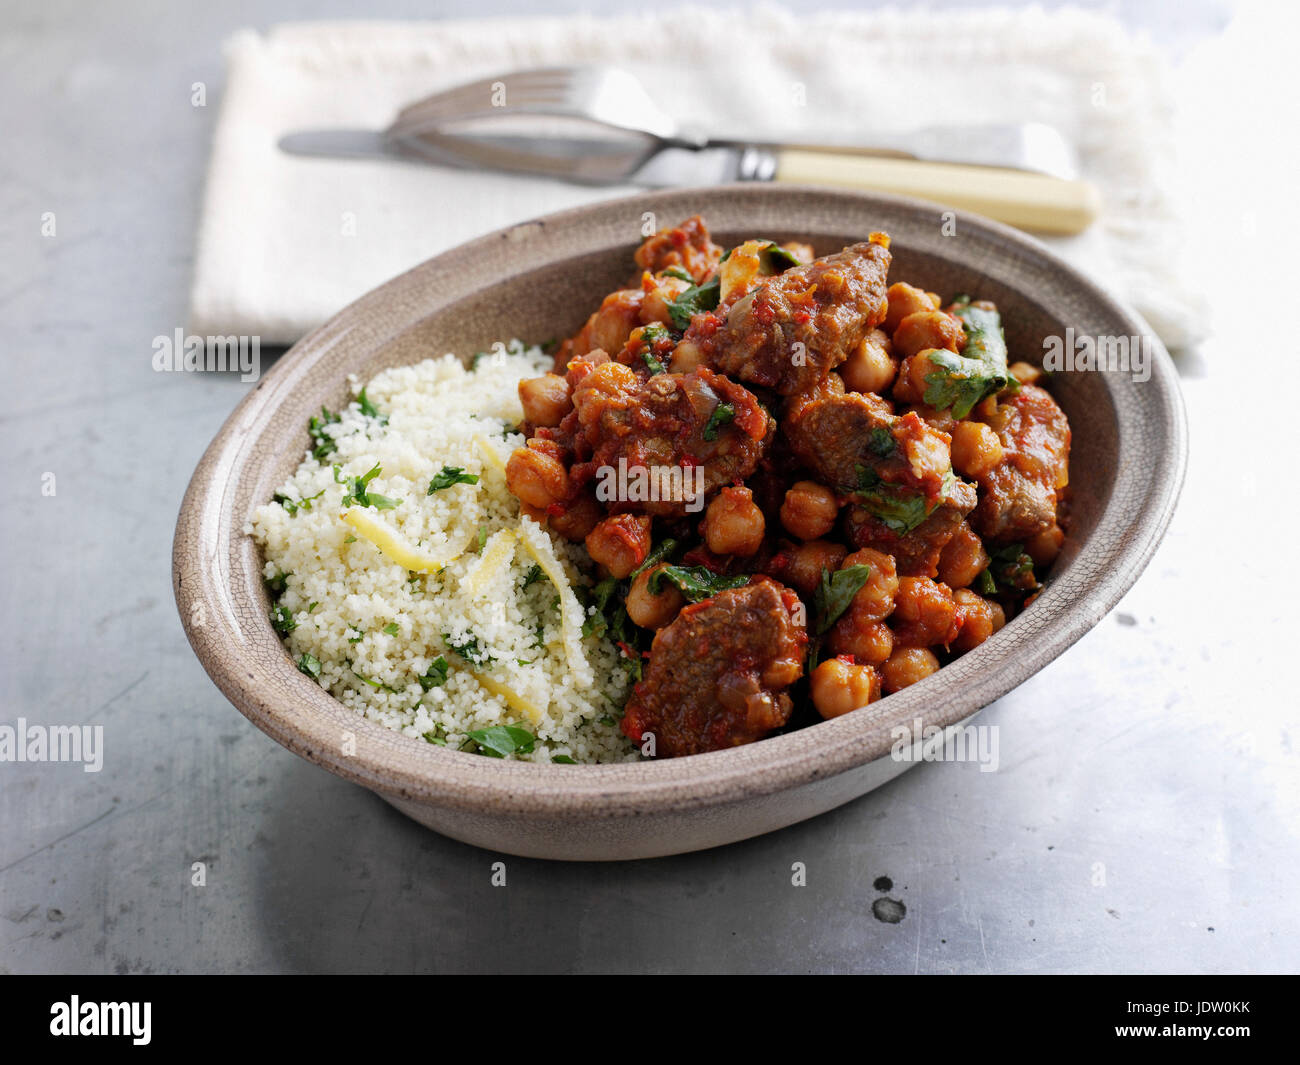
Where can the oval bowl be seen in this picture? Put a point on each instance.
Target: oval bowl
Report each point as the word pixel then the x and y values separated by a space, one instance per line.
pixel 540 279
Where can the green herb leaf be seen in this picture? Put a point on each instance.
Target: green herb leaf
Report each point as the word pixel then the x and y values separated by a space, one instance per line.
pixel 534 575
pixel 723 414
pixel 502 741
pixel 310 665
pixel 470 650
pixel 275 584
pixel 778 259
pixel 695 300
pixel 370 410
pixel 897 508
pixel 657 554
pixel 435 736
pixel 881 442
pixel 694 582
pixel 562 759
pixel 962 381
pixel 677 272
pixel 448 476
pixel 282 620
pixel 836 593
pixel 392 628
pixel 323 444
pixel 436 675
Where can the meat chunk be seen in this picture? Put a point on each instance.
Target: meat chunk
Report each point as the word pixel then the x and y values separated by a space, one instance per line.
pixel 718 674
pixel 916 551
pixel 1018 496
pixel 846 437
pixel 795 327
pixel 686 246
pixel 679 436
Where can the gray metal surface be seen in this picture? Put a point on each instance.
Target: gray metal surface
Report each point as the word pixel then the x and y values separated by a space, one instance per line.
pixel 1144 815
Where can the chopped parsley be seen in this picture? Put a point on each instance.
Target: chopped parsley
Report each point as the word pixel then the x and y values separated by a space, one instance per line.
pixel 470 650
pixel 370 410
pixel 310 665
pixel 723 414
pixel 502 741
pixel 677 272
pixel 361 497
pixel 534 575
pixel 392 628
pixel 897 508
pixel 880 442
pixel 292 506
pixel 275 583
pixel 323 444
pixel 282 620
pixel 436 675
pixel 448 476
pixel 562 759
pixel 695 300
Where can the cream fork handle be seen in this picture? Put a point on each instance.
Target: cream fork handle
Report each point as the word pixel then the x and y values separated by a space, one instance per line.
pixel 1025 200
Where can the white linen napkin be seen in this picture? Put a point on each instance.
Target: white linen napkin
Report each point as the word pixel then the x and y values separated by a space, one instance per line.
pixel 285 242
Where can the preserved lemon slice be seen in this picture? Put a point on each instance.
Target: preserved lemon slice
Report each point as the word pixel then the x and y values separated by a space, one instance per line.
pixel 512 698
pixel 390 544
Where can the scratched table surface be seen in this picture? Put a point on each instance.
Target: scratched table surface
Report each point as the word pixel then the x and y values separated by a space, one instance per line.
pixel 1143 815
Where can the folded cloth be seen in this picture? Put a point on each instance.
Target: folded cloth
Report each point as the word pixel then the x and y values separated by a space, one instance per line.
pixel 285 242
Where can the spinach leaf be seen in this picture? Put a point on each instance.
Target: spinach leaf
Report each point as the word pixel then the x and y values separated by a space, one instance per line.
pixel 694 582
pixel 695 300
pixel 448 476
pixel 835 594
pixel 657 554
pixel 962 381
pixel 897 508
pixel 501 741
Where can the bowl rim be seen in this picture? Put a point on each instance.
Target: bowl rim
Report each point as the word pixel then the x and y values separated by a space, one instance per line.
pixel 221 629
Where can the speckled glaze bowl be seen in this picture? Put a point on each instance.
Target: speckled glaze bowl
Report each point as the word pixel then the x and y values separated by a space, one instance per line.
pixel 540 280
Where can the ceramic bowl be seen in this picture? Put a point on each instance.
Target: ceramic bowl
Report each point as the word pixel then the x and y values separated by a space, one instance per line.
pixel 540 280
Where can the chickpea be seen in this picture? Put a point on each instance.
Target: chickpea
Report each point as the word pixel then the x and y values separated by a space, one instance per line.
pixel 976 449
pixel 620 543
pixel 875 599
pixel 905 299
pixel 911 383
pixel 577 519
pixel 685 358
pixel 962 558
pixel 906 666
pixel 809 510
pixel 1026 373
pixel 733 524
pixel 981 618
pixel 928 329
pixel 661 292
pixel 653 611
pixel 870 367
pixel 537 478
pixel 1043 547
pixel 545 399
pixel 839 687
pixel 936 419
pixel 924 612
pixel 613 323
pixel 801 567
pixel 870 642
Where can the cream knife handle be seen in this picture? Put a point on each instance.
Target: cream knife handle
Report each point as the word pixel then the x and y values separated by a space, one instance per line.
pixel 1028 201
